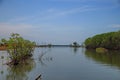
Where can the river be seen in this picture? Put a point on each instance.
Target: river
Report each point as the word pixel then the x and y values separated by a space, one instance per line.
pixel 64 63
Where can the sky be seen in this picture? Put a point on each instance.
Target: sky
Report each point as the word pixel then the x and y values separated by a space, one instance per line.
pixel 58 21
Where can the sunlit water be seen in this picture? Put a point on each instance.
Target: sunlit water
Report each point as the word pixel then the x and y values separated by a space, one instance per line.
pixel 64 64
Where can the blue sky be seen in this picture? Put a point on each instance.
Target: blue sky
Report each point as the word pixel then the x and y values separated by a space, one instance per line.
pixel 58 21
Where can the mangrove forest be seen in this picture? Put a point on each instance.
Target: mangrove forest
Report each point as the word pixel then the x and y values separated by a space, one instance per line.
pixel 109 40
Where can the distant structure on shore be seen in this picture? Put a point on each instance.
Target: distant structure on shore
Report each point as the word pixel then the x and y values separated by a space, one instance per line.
pixel 57 46
pixel 74 44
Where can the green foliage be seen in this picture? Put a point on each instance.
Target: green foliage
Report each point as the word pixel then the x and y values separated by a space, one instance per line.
pixel 18 48
pixel 110 40
pixel 101 50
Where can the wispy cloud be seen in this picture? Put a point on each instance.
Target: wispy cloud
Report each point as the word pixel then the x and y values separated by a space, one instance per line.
pixel 7 28
pixel 115 26
pixel 76 10
pixel 114 2
pixel 56 13
pixel 82 0
pixel 32 17
pixel 68 12
pixel 53 13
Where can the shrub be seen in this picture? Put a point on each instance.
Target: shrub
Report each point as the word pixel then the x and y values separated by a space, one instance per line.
pixel 18 48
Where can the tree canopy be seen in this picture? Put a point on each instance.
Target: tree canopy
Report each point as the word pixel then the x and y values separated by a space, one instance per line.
pixel 18 48
pixel 110 40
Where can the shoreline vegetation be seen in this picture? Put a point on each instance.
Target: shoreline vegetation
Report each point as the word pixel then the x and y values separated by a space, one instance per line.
pixel 2 47
pixel 18 48
pixel 104 42
pixel 76 45
pixel 5 47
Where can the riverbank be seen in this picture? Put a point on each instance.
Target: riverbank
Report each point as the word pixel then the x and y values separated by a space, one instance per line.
pixel 2 47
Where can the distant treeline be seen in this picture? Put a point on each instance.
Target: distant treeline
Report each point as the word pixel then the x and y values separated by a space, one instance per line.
pixel 110 40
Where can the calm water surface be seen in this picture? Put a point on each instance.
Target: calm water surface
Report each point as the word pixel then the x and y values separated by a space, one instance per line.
pixel 64 64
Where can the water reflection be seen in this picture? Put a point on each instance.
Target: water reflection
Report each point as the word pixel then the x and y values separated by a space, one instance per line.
pixel 75 49
pixel 3 59
pixel 2 70
pixel 62 64
pixel 20 72
pixel 112 58
pixel 43 58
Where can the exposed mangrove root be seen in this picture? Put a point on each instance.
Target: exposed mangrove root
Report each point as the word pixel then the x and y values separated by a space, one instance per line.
pixel 22 60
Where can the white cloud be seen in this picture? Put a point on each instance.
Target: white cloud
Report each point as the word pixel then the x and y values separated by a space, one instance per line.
pixel 32 17
pixel 76 10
